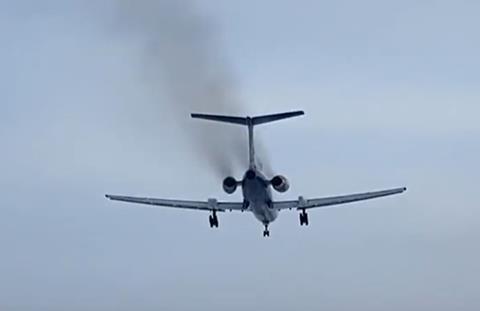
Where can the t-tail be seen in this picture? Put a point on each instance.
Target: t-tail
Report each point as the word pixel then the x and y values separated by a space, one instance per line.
pixel 250 122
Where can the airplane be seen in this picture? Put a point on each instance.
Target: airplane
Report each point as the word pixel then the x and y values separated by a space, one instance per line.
pixel 256 187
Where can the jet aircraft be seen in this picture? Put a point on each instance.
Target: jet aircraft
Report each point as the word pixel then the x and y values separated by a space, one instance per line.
pixel 256 187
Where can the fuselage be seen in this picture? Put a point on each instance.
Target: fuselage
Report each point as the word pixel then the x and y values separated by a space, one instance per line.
pixel 258 196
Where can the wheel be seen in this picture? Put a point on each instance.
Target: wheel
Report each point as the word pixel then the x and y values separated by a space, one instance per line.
pixel 303 218
pixel 213 220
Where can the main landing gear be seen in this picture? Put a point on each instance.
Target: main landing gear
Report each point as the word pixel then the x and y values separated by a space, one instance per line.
pixel 303 218
pixel 266 233
pixel 213 219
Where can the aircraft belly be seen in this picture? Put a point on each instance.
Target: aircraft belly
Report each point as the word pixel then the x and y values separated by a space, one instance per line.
pixel 258 195
pixel 265 214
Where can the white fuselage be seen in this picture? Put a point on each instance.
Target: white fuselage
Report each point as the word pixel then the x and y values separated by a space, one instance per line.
pixel 258 195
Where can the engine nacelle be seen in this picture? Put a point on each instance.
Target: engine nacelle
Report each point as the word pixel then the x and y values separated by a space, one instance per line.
pixel 229 185
pixel 280 183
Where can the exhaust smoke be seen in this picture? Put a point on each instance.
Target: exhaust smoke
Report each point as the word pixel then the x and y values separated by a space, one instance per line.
pixel 181 55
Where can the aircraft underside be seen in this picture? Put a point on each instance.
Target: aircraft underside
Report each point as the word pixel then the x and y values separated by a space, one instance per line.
pixel 257 192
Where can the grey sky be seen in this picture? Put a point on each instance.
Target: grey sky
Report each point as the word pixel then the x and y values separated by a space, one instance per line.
pixel 391 93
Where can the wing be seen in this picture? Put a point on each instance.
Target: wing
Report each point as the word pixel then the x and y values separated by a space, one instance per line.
pixel 301 203
pixel 210 205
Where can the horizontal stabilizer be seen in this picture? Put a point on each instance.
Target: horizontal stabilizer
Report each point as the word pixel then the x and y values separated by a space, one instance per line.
pixel 227 119
pixel 276 117
pixel 245 121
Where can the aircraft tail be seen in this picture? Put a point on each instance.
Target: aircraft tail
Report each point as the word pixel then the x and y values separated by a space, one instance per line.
pixel 250 123
pixel 248 120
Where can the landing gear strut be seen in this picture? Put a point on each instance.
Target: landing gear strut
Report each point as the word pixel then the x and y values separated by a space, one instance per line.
pixel 266 233
pixel 213 219
pixel 303 218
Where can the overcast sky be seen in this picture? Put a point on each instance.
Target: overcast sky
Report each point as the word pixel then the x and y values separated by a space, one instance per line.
pixel 94 99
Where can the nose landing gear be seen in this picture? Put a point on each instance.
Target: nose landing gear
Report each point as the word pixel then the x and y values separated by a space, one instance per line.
pixel 303 218
pixel 266 233
pixel 213 219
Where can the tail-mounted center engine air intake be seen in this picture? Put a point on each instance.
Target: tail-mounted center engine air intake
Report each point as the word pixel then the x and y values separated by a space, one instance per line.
pixel 250 174
pixel 229 185
pixel 280 183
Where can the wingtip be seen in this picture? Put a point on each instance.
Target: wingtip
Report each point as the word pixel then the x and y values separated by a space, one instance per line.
pixel 297 113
